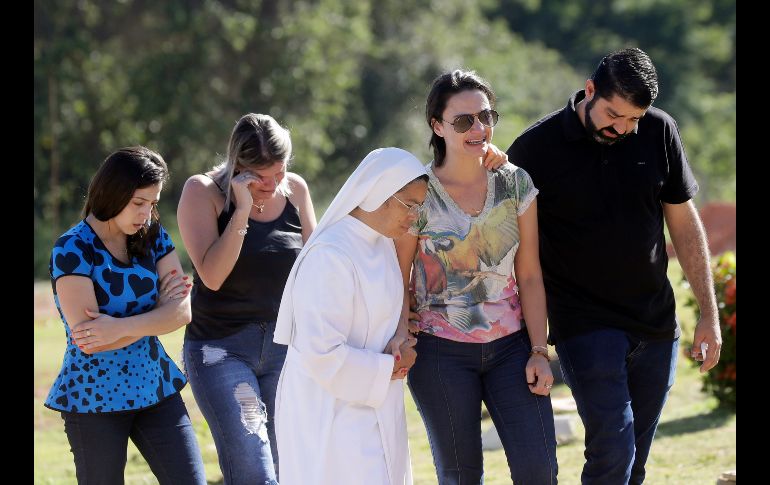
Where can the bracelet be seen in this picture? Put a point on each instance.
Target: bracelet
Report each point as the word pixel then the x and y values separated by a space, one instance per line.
pixel 242 231
pixel 539 349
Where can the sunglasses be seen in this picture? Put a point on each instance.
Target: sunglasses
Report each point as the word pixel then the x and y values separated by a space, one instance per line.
pixel 463 123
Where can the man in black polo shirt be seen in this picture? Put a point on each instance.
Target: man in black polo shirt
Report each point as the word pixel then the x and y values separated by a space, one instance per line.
pixel 610 169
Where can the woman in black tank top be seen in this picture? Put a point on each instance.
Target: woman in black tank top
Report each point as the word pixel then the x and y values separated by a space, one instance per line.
pixel 243 224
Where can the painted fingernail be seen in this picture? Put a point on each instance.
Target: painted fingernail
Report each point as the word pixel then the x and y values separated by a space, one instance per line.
pixel 398 357
pixel 184 277
pixel 173 271
pixel 188 285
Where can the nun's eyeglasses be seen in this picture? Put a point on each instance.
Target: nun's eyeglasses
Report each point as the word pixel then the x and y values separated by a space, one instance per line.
pixel 414 209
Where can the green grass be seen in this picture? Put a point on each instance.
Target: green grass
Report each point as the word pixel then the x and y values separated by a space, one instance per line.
pixel 694 444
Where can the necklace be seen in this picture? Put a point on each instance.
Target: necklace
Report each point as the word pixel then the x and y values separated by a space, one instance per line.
pixel 260 206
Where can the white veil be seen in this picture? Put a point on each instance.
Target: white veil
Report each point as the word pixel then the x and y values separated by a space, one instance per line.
pixel 380 175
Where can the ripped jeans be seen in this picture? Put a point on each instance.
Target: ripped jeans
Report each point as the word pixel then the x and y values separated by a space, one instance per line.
pixel 234 381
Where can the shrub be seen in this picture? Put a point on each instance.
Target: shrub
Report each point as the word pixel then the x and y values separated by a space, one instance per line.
pixel 720 381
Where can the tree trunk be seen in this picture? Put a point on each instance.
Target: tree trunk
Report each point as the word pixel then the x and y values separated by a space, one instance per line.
pixel 53 183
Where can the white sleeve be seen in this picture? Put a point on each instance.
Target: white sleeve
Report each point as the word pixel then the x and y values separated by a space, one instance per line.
pixel 324 297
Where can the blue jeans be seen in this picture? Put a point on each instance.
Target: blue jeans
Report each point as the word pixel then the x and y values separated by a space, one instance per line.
pixel 449 381
pixel 234 381
pixel 620 384
pixel 163 434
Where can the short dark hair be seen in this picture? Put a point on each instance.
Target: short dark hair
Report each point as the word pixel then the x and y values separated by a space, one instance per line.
pixel 445 86
pixel 630 74
pixel 114 183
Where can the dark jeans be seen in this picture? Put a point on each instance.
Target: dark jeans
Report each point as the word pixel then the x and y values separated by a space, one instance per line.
pixel 620 384
pixel 234 380
pixel 163 434
pixel 450 380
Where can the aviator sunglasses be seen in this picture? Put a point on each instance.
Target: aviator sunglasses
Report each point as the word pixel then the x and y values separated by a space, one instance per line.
pixel 463 123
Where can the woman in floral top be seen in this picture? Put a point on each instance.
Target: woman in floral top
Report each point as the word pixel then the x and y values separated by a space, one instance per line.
pixel 472 260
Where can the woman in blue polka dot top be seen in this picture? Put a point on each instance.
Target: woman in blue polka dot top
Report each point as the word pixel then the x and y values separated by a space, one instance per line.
pixel 117 284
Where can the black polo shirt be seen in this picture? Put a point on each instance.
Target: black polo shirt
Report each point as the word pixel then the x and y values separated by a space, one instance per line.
pixel 600 218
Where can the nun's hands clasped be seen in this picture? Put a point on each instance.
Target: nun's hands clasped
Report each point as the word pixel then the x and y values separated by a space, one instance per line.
pixel 407 358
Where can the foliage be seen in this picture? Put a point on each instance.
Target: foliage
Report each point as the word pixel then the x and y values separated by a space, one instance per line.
pixel 344 77
pixel 692 44
pixel 721 380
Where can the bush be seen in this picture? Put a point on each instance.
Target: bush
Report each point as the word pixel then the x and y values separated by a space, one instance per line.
pixel 43 244
pixel 720 381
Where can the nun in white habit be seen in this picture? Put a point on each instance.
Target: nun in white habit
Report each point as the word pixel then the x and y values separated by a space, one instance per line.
pixel 340 402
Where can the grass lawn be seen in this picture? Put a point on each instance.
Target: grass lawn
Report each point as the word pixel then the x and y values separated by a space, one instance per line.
pixel 695 441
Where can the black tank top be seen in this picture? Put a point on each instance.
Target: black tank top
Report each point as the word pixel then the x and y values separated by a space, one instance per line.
pixel 252 291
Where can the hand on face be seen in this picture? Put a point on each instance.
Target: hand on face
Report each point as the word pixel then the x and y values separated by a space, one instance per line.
pixel 240 186
pixel 257 183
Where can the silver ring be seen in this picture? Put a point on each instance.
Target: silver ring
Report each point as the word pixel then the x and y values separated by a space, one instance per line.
pixel 548 386
pixel 88 332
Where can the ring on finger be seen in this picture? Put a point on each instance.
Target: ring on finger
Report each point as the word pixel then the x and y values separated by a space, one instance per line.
pixel 88 332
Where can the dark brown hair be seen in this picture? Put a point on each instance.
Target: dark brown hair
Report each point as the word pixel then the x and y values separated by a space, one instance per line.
pixel 444 87
pixel 113 185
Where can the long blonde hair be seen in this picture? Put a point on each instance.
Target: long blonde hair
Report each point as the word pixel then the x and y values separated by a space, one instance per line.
pixel 257 141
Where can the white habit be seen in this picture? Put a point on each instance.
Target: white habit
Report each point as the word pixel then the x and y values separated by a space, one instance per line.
pixel 339 417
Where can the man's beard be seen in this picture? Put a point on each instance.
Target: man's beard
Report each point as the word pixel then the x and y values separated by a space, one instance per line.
pixel 596 133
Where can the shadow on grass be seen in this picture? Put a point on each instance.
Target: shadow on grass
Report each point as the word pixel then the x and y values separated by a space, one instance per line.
pixel 714 419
